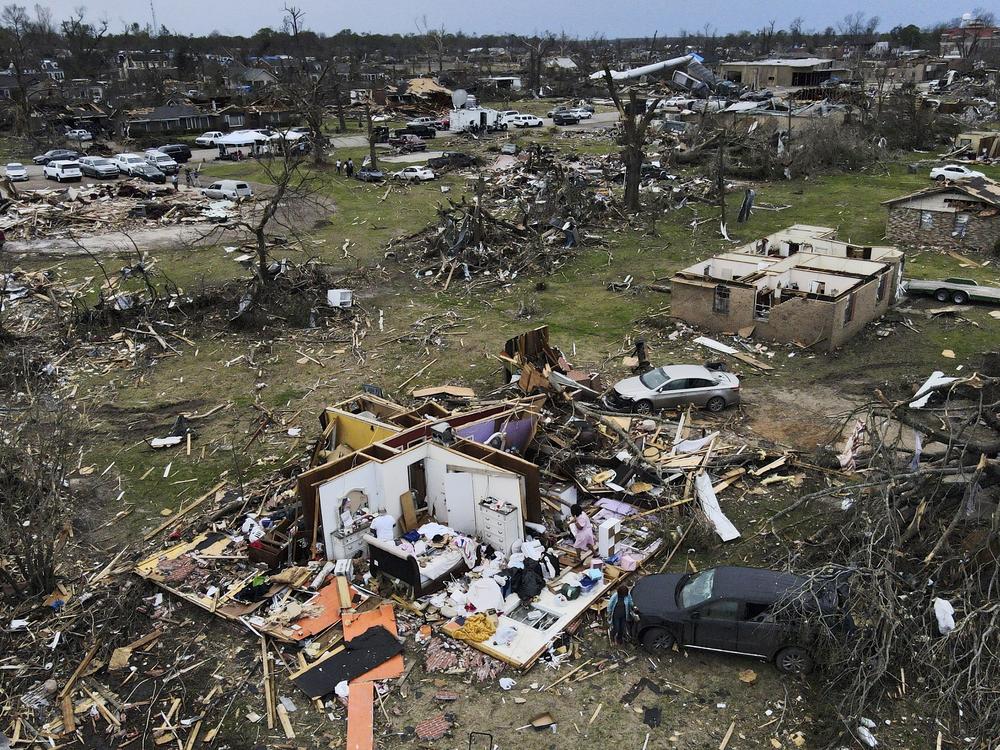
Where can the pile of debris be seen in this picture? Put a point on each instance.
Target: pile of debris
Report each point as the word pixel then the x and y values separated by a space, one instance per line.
pixel 527 218
pixel 106 207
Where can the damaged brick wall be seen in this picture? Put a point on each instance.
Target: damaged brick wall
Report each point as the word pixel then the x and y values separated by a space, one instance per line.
pixel 691 301
pixel 903 228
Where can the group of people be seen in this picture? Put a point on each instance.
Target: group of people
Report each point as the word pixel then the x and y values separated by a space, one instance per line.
pixel 346 166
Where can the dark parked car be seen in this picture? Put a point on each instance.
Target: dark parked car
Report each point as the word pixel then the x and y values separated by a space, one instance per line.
pixel 565 118
pixel 452 160
pixel 56 154
pixel 177 151
pixel 148 173
pixel 367 174
pixel 424 131
pixel 407 142
pixel 733 609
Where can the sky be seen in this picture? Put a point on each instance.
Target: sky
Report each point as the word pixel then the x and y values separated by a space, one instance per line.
pixel 583 18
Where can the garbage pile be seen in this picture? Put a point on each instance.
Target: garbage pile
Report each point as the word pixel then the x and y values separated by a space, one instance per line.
pixel 106 207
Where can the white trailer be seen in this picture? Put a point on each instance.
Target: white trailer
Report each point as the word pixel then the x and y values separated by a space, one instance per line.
pixel 475 118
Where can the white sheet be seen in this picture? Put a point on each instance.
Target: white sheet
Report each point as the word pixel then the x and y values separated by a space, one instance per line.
pixel 710 504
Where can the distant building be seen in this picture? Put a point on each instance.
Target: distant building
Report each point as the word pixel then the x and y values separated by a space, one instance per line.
pixel 951 216
pixel 502 83
pixel 799 285
pixel 972 36
pixel 805 71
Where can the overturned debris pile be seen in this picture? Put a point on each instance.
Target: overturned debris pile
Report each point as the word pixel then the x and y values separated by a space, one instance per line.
pixel 106 207
pixel 916 542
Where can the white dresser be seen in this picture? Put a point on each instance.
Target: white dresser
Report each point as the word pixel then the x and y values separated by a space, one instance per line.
pixel 345 546
pixel 498 524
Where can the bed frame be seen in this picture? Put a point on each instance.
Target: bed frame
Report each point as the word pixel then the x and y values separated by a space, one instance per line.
pixel 393 562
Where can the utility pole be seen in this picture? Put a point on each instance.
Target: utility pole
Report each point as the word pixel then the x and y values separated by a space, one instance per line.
pixel 156 26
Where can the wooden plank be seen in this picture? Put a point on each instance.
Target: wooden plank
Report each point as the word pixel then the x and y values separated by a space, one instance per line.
pixel 68 687
pixel 268 694
pixel 286 725
pixel 769 467
pixel 361 716
pixel 409 511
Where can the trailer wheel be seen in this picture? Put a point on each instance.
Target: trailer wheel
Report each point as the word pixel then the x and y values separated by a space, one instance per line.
pixel 941 295
pixel 959 297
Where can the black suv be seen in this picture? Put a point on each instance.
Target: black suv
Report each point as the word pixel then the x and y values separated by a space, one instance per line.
pixel 733 609
pixel 564 118
pixel 452 160
pixel 176 151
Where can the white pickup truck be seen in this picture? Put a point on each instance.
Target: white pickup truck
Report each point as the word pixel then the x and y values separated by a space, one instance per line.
pixel 959 291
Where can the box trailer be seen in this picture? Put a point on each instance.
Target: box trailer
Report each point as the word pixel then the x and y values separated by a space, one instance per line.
pixel 478 119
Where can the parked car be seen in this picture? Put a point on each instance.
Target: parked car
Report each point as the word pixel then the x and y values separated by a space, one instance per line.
pixel 554 110
pixel 62 171
pixel 509 149
pixel 128 162
pixel 367 174
pixel 567 117
pixel 443 124
pixel 408 142
pixel 381 118
pixel 504 114
pixel 954 172
pixel 676 385
pixel 959 291
pixel 179 152
pixel 735 610
pixel 415 173
pixel 15 172
pixel 526 121
pixel 56 153
pixel 424 131
pixel 147 173
pixel 209 138
pixel 452 160
pixel 98 166
pixel 228 189
pixel 582 113
pixel 420 121
pixel 162 161
pixel 79 134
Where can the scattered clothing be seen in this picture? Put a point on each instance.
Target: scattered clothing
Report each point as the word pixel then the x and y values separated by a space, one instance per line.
pixel 477 629
pixel 583 533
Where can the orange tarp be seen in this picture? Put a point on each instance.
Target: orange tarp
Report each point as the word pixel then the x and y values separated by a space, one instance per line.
pixel 329 600
pixel 361 716
pixel 357 623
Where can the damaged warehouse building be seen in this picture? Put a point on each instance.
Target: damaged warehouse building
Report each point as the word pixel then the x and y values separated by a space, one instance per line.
pixel 797 285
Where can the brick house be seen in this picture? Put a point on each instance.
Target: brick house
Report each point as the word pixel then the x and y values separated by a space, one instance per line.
pixel 950 216
pixel 799 285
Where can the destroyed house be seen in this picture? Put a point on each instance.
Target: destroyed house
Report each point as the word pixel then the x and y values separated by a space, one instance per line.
pixel 442 466
pixel 807 71
pixel 950 216
pixel 800 285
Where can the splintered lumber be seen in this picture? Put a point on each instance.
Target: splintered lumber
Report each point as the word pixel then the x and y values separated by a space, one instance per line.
pixel 80 668
pixel 729 734
pixel 183 512
pixel 567 675
pixel 268 694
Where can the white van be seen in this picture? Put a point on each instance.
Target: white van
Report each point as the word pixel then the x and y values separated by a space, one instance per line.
pixel 228 189
pixel 62 170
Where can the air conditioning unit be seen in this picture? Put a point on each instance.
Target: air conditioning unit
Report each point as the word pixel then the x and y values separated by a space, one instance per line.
pixel 339 297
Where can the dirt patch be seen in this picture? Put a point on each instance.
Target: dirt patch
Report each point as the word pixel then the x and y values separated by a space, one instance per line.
pixel 798 419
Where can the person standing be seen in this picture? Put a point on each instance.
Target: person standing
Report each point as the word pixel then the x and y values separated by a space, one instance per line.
pixel 188 182
pixel 350 167
pixel 583 530
pixel 338 165
pixel 173 181
pixel 620 612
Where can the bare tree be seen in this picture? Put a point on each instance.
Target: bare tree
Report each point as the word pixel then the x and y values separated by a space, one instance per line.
pixel 538 49
pixel 34 463
pixel 16 27
pixel 635 118
pixel 309 86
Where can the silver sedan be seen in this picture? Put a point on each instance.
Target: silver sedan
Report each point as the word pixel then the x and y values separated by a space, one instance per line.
pixel 675 386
